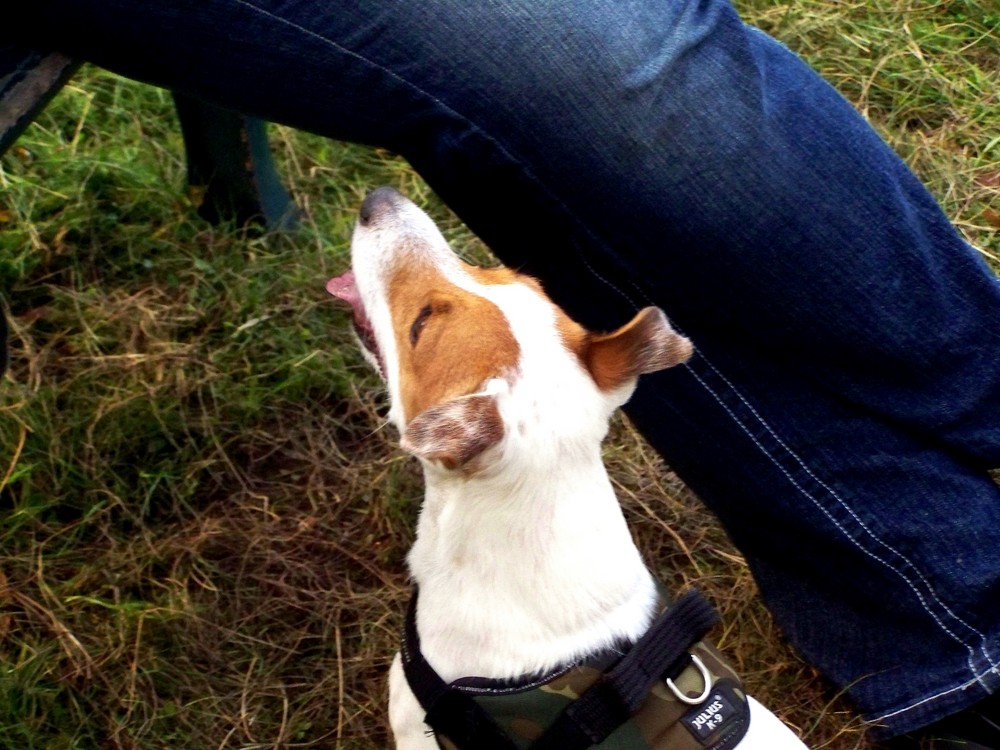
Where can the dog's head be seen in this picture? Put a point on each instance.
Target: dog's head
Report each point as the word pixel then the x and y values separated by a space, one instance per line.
pixel 479 362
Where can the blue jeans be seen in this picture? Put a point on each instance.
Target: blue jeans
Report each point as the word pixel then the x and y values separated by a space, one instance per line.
pixel 844 405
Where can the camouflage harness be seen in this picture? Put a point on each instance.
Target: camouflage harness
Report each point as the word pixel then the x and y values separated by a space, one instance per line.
pixel 669 691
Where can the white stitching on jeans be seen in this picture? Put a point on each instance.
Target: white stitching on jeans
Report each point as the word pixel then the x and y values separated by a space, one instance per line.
pixel 822 509
pixel 929 699
pixel 843 504
pixel 582 226
pixel 608 282
pixel 977 676
pixel 994 666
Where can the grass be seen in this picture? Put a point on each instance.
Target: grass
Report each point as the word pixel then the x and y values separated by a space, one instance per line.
pixel 203 525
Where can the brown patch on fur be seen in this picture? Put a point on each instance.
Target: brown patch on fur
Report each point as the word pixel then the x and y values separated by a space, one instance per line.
pixel 645 344
pixel 463 341
pixel 573 334
pixel 500 275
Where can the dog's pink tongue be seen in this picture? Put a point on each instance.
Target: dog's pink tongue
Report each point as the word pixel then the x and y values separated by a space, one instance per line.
pixel 343 287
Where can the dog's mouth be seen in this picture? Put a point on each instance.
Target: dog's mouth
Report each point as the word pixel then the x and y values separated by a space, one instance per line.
pixel 344 288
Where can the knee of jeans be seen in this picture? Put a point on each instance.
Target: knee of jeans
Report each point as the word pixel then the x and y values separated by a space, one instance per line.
pixel 573 64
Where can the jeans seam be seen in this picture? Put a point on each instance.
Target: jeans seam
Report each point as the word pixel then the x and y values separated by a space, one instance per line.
pixel 608 282
pixel 802 490
pixel 499 146
pixel 976 679
pixel 843 503
pixel 935 616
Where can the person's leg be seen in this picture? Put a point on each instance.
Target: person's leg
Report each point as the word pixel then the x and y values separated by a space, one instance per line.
pixel 845 401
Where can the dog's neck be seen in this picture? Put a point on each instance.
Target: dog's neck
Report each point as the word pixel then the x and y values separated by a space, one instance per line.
pixel 526 570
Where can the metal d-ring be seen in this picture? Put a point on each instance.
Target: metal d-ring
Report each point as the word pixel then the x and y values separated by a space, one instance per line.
pixel 706 676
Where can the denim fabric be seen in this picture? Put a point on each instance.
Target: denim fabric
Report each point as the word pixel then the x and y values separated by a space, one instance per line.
pixel 844 404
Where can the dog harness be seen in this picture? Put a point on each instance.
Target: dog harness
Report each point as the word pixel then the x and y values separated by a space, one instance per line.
pixel 668 691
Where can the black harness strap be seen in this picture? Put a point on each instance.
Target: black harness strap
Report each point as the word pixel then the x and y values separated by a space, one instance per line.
pixel 450 712
pixel 661 653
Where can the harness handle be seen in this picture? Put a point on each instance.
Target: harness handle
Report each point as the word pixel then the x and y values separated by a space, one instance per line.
pixel 660 654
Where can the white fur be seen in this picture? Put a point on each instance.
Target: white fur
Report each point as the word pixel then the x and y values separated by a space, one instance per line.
pixel 527 563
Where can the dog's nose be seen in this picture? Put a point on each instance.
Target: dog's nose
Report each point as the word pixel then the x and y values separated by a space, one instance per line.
pixel 376 202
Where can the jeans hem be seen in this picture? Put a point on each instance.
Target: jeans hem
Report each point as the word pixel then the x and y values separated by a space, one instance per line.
pixel 928 709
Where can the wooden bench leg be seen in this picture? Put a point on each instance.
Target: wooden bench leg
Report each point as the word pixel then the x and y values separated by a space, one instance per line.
pixel 228 156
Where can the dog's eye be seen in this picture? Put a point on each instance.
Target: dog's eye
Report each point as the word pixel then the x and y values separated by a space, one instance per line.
pixel 418 324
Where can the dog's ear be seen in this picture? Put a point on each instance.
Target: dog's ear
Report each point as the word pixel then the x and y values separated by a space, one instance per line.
pixel 645 344
pixel 456 431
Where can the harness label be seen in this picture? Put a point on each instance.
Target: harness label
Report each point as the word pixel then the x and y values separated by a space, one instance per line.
pixel 705 720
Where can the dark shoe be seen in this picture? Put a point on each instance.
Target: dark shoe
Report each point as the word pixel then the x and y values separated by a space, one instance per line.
pixel 975 728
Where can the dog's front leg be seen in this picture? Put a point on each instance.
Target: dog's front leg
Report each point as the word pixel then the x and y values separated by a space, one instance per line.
pixel 406 716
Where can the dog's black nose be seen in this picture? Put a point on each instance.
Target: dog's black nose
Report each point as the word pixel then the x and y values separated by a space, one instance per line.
pixel 377 201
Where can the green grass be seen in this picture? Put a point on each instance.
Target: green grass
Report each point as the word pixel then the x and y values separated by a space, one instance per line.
pixel 202 523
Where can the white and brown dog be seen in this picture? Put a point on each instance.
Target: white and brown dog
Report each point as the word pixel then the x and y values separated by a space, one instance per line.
pixel 527 574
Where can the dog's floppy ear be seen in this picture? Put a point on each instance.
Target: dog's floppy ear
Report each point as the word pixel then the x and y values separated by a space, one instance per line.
pixel 454 432
pixel 645 344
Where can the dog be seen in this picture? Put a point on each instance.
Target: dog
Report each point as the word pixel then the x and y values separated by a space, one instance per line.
pixel 536 622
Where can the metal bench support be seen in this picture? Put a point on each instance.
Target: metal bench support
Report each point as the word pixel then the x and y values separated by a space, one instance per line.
pixel 228 156
pixel 28 80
